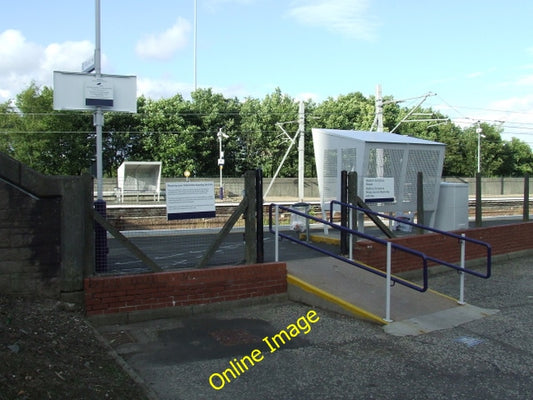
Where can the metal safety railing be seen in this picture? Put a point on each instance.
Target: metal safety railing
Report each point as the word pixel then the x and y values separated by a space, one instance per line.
pixel 461 268
pixel 274 227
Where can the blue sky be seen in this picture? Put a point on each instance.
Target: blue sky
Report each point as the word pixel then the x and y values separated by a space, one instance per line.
pixel 477 56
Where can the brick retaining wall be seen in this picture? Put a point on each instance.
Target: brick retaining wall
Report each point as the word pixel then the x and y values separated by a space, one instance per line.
pixel 116 294
pixel 29 243
pixel 503 239
pixel 45 235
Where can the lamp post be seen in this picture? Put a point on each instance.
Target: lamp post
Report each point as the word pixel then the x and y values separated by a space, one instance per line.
pixel 195 43
pixel 220 136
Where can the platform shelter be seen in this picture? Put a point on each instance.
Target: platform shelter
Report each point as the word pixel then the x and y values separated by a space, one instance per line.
pixel 387 166
pixel 139 178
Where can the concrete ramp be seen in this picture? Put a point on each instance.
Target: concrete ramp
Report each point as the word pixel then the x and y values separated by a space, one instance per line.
pixel 331 284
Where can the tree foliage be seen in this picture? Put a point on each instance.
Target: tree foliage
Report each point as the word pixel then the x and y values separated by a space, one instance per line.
pixel 182 133
pixel 49 141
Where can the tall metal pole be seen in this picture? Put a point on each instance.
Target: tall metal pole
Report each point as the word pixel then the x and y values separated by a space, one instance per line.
pixel 379 121
pixel 478 131
pixel 379 108
pixel 101 248
pixel 195 41
pixel 98 116
pixel 301 151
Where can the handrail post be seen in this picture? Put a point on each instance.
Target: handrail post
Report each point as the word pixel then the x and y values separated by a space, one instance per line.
pixel 420 201
pixel 344 212
pixel 388 283
pixel 276 236
pixel 461 273
pixel 350 223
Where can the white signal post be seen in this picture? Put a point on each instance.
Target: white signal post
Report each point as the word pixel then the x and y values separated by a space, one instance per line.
pixel 301 151
pixel 220 136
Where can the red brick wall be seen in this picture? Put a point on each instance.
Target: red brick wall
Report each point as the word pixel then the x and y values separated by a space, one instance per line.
pixel 503 239
pixel 114 294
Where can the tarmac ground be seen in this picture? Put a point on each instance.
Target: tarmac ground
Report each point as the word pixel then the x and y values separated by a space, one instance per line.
pixel 242 353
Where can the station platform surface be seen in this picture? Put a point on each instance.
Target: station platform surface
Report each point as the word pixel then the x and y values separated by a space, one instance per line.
pixel 341 357
pixel 341 287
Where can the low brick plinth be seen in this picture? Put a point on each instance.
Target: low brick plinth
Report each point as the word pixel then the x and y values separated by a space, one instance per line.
pixel 116 294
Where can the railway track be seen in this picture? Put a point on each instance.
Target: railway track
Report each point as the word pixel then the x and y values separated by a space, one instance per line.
pixel 153 215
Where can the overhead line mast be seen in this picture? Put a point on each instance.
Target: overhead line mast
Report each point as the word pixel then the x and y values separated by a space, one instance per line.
pixel 379 103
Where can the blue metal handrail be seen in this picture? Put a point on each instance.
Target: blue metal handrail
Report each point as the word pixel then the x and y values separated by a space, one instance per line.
pixel 485 275
pixel 419 288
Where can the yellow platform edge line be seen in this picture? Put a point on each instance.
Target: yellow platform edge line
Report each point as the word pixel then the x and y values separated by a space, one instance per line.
pixel 323 239
pixel 291 279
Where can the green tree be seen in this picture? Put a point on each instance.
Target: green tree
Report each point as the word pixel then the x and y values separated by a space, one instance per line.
pixel 517 159
pixel 456 159
pixel 49 141
pixel 121 133
pixel 351 111
pixel 262 140
pixel 250 151
pixel 208 114
pixel 183 134
pixel 164 135
pixel 10 122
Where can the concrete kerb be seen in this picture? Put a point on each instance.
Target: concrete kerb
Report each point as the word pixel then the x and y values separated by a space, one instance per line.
pixel 148 391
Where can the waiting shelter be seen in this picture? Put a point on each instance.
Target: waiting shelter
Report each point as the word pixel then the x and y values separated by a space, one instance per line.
pixel 387 166
pixel 139 178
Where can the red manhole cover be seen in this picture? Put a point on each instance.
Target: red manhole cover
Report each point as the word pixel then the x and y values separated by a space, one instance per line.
pixel 232 337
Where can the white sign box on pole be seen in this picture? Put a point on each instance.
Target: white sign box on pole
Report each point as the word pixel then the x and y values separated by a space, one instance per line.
pixel 79 91
pixel 190 200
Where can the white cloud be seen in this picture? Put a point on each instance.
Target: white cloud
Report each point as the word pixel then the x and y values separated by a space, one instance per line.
pixel 163 45
pixel 16 54
pixel 526 80
pixel 161 88
pixel 517 104
pixel 22 62
pixel 347 17
pixel 67 56
pixel 513 114
pixel 156 89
